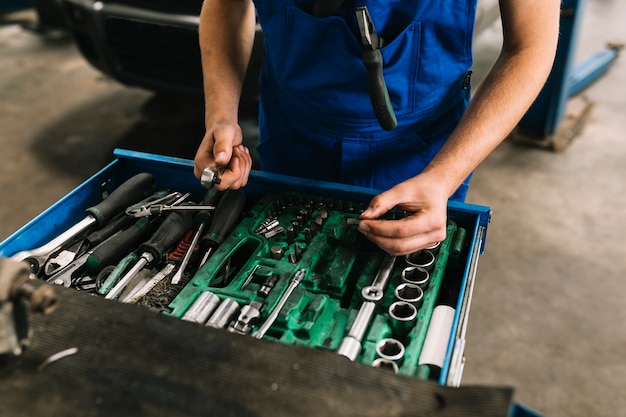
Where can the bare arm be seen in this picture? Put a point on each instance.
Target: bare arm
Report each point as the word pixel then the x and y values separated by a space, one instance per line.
pixel 226 36
pixel 530 29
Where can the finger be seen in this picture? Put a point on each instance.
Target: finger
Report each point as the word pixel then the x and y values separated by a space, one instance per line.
pixel 407 234
pixel 243 164
pixel 248 166
pixel 407 244
pixel 226 138
pixel 236 174
pixel 397 196
pixel 204 156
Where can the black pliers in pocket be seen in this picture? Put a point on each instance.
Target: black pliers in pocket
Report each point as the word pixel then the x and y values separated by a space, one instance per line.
pixel 373 60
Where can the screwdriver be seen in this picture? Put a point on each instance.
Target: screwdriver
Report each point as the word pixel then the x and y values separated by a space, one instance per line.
pixel 130 192
pixel 225 216
pixel 175 225
pixel 201 219
pixel 109 252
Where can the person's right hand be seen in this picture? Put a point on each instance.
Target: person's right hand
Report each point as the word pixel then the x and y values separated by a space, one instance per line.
pixel 222 147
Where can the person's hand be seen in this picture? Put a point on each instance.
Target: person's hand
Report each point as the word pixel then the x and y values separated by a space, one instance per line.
pixel 222 147
pixel 425 225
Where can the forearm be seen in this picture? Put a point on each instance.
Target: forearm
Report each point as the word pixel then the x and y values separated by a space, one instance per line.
pixel 501 101
pixel 226 33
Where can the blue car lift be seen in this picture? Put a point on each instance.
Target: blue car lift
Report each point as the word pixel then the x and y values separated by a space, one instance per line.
pixel 557 117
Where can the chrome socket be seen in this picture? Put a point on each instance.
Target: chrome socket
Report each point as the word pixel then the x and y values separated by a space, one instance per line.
pixel 416 275
pixel 224 314
pixel 390 349
pixel 385 364
pixel 202 307
pixel 410 293
pixel 422 258
pixel 402 318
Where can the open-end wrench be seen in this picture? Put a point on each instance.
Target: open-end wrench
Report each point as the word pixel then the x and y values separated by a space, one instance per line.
pixel 130 192
pixel 350 346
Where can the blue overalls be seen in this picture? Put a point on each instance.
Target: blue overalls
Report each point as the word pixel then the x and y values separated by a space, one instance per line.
pixel 316 118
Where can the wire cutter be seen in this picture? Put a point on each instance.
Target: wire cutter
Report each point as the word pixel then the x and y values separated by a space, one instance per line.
pixel 373 60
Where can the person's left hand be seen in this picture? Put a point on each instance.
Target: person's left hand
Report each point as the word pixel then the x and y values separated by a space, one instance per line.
pixel 425 225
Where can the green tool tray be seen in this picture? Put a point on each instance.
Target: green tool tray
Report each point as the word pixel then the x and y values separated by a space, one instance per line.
pixel 337 261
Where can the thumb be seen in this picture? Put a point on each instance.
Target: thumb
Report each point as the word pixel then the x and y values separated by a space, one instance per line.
pixel 380 205
pixel 225 137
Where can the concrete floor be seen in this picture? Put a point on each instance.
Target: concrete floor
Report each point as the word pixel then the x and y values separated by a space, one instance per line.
pixel 548 316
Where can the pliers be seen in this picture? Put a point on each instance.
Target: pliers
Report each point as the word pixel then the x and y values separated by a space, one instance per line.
pixel 373 60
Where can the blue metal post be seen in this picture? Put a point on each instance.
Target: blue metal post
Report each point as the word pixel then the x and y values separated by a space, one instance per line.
pixel 544 115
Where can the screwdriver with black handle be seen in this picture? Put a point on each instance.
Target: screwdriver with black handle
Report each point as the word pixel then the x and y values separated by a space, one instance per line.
pixel 108 252
pixel 201 219
pixel 173 228
pixel 224 220
pixel 128 193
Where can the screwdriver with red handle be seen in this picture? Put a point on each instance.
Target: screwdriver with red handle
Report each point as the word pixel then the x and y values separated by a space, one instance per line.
pixel 201 219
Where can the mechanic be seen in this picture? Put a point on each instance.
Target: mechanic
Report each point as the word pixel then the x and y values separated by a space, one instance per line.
pixel 316 119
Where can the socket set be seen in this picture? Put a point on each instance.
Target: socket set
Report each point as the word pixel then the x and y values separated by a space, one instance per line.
pixel 296 270
pixel 282 260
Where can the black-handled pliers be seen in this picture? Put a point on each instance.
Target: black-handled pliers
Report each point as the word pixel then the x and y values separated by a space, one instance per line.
pixel 373 60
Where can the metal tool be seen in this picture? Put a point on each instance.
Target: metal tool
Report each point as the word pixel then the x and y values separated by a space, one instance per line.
pixel 268 285
pixel 64 257
pixel 411 293
pixel 350 346
pixel 201 219
pixel 390 349
pixel 402 318
pixel 210 177
pixel 175 225
pixel 109 252
pixel 385 364
pixel 202 307
pixel 373 60
pixel 224 314
pixel 249 316
pixel 130 192
pixel 160 208
pixel 416 275
pixel 138 293
pixel 295 281
pixel 224 219
pixel 422 258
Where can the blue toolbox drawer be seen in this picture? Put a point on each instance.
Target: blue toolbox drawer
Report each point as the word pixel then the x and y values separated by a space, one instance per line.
pixel 301 287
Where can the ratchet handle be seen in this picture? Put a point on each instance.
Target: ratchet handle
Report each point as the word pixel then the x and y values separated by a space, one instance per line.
pixel 173 228
pixel 225 217
pixel 112 250
pixel 130 192
pixel 379 95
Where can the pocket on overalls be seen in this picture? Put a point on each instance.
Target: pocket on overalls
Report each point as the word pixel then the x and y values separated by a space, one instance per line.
pixel 320 64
